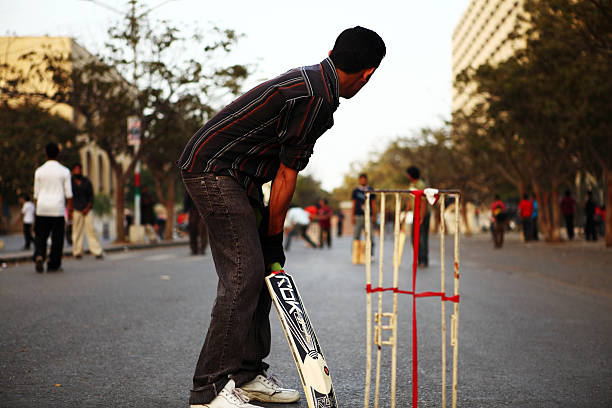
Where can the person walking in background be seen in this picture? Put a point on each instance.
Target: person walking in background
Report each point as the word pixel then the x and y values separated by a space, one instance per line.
pixel 198 233
pixel 416 183
pixel 28 211
pixel 568 208
pixel 498 221
pixel 589 211
pixel 53 195
pixel 82 218
pixel 324 218
pixel 534 218
pixel 297 221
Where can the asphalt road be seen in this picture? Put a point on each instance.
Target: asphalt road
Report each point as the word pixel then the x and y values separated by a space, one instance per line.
pixel 535 327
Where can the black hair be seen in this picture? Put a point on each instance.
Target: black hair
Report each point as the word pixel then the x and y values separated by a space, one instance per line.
pixel 25 197
pixel 52 150
pixel 413 171
pixel 497 197
pixel 363 175
pixel 356 49
pixel 75 165
pixel 568 193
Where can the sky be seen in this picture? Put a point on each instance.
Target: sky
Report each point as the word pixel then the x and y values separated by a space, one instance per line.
pixel 410 90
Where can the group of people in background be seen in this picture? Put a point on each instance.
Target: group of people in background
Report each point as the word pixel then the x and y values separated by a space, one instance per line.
pixel 60 195
pixel 594 217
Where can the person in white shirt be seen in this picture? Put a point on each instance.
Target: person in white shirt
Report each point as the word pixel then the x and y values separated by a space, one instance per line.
pixel 298 220
pixel 27 210
pixel 53 195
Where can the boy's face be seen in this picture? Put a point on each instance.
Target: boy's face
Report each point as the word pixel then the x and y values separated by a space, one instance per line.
pixel 356 82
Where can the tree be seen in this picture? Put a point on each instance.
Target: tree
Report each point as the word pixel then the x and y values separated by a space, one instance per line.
pixel 544 107
pixel 176 121
pixel 308 191
pixel 146 53
pixel 24 133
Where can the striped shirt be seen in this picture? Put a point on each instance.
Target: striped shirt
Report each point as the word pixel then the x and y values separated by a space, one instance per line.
pixel 278 121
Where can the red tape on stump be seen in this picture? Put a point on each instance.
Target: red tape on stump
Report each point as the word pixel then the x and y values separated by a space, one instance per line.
pixel 415 257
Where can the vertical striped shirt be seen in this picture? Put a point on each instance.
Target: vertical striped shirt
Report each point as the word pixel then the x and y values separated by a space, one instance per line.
pixel 278 121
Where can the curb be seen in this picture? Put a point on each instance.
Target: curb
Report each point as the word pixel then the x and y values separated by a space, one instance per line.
pixel 28 257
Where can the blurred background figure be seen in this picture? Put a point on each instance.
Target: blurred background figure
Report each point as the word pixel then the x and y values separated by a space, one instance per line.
pixel 82 219
pixel 416 183
pixel 589 211
pixel 498 221
pixel 147 214
pixel 53 195
pixel 198 232
pixel 161 215
pixel 568 208
pixel 27 210
pixel 340 222
pixel 297 221
pixel 534 218
pixel 525 208
pixel 358 197
pixel 324 218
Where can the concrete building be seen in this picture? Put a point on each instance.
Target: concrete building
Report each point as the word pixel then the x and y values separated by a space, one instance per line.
pixel 482 36
pixel 13 50
pixel 95 161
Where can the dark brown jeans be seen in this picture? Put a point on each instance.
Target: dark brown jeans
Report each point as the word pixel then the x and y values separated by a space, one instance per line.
pixel 238 337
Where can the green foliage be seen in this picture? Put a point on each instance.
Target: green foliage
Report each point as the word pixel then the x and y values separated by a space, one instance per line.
pixel 102 204
pixel 545 112
pixel 308 191
pixel 24 133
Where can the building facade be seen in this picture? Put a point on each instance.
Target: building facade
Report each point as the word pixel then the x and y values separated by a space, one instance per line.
pixel 481 36
pixel 95 161
pixel 20 53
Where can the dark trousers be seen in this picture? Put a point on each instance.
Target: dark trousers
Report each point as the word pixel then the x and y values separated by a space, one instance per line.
pixel 298 229
pixel 526 223
pixel 569 225
pixel 534 229
pixel 589 229
pixel 27 235
pixel 45 226
pixel 238 337
pixel 423 240
pixel 198 233
pixel 497 228
pixel 325 236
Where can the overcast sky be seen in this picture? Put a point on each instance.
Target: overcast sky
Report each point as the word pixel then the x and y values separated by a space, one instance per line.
pixel 410 90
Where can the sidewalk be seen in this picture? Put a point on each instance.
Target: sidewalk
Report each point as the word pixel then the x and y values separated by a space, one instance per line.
pixel 13 251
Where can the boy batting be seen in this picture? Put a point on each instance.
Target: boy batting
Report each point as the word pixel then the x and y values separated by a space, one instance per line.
pixel 267 134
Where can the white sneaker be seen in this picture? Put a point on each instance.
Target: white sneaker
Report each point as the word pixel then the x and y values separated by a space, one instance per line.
pixel 266 388
pixel 229 397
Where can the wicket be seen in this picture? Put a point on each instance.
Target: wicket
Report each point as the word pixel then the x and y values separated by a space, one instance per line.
pixel 432 195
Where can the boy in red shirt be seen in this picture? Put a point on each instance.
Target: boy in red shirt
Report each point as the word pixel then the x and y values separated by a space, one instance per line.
pixel 525 210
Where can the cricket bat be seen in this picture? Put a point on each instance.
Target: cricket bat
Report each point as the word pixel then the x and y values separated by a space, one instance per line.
pixel 303 342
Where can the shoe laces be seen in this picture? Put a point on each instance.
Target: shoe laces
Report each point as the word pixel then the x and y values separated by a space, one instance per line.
pixel 272 380
pixel 238 396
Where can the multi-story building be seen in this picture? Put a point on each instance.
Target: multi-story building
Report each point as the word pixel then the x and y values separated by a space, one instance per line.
pixel 95 161
pixel 483 36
